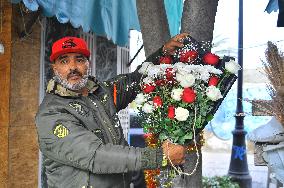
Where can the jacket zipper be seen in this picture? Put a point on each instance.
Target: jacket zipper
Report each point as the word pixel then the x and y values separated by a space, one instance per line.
pixel 108 127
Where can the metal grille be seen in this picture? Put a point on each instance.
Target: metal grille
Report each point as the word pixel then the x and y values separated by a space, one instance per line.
pixel 90 38
pixel 122 60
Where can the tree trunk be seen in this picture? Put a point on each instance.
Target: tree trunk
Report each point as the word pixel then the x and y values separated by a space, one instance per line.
pixel 194 181
pixel 198 18
pixel 154 25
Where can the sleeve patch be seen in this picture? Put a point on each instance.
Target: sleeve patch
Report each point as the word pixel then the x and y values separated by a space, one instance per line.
pixel 60 131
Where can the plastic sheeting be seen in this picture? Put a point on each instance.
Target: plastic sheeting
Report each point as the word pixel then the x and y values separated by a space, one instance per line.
pixel 272 6
pixel 174 14
pixel 109 18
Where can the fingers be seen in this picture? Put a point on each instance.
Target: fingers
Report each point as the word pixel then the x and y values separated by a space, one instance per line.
pixel 180 37
pixel 176 42
pixel 174 152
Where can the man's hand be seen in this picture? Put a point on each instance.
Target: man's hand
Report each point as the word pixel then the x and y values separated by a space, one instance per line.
pixel 176 42
pixel 174 152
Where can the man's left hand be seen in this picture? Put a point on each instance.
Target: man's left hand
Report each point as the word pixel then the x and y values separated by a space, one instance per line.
pixel 170 47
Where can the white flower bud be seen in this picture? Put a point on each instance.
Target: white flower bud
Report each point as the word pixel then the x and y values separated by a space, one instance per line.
pixel 133 105
pixel 232 67
pixel 185 80
pixel 213 93
pixel 181 114
pixel 148 80
pixel 146 66
pixel 148 107
pixel 140 98
pixel 176 94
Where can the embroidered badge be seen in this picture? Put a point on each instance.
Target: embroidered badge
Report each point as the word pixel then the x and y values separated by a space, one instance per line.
pixel 60 131
pixel 79 108
pixel 68 44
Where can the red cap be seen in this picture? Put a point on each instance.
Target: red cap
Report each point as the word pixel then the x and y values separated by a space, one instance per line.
pixel 68 45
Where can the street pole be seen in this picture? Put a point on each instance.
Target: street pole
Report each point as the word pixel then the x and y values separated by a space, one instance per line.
pixel 238 170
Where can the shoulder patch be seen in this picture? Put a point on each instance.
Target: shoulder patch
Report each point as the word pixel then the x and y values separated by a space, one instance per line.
pixel 60 131
pixel 80 108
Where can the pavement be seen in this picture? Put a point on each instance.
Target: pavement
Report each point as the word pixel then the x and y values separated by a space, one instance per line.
pixel 217 164
pixel 216 156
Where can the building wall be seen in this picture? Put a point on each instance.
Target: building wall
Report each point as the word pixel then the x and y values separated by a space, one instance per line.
pixel 24 101
pixel 5 39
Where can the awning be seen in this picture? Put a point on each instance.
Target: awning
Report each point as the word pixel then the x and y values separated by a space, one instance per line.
pixel 110 18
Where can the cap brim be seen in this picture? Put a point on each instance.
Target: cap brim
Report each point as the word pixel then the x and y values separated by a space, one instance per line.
pixel 85 52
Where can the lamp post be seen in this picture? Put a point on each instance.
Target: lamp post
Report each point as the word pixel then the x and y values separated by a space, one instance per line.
pixel 238 169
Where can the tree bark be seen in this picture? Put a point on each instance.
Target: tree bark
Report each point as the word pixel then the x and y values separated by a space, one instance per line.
pixel 154 25
pixel 195 180
pixel 198 18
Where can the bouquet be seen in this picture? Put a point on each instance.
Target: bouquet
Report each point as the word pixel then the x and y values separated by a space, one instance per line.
pixel 181 95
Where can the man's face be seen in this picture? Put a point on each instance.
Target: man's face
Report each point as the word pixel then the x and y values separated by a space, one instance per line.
pixel 71 70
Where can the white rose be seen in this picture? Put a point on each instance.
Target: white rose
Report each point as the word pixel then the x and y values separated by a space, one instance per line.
pixel 148 107
pixel 181 114
pixel 176 94
pixel 146 66
pixel 213 93
pixel 232 67
pixel 185 80
pixel 140 98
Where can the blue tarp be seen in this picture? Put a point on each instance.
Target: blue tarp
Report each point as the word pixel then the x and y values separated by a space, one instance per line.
pixel 110 18
pixel 272 6
pixel 174 14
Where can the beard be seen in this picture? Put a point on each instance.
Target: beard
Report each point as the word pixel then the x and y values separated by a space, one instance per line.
pixel 75 86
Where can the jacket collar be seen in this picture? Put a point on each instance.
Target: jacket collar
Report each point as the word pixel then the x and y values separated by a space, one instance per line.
pixel 55 88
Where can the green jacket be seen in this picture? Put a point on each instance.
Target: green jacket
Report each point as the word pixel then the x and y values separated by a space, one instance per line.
pixel 81 138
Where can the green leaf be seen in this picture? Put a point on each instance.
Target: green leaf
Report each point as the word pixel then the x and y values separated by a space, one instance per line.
pixel 163 136
pixel 181 140
pixel 209 117
pixel 167 120
pixel 188 136
pixel 178 132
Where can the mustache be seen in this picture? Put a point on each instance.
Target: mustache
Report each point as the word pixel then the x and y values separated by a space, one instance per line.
pixel 74 72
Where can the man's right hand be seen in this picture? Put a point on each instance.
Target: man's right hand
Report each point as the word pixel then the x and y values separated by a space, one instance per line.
pixel 174 152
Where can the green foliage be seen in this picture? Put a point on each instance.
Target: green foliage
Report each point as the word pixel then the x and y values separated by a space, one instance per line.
pixel 219 182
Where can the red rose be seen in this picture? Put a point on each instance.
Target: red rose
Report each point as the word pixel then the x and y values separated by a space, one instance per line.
pixel 171 112
pixel 160 82
pixel 157 100
pixel 188 95
pixel 213 81
pixel 188 56
pixel 165 60
pixel 211 59
pixel 169 74
pixel 148 88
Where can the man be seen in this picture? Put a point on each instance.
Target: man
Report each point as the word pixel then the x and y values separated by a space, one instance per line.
pixel 79 132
